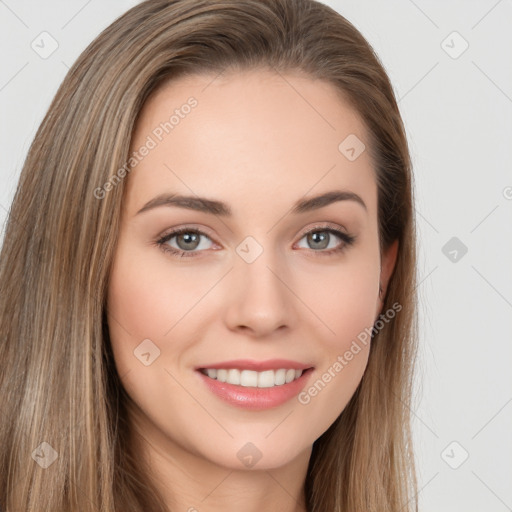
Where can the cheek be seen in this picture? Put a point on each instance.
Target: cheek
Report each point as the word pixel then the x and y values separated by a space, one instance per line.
pixel 144 298
pixel 349 307
pixel 140 306
pixel 142 311
pixel 345 298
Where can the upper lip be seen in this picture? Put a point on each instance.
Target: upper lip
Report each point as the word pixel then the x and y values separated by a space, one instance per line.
pixel 258 366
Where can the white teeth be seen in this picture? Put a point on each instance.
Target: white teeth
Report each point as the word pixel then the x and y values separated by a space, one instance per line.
pixel 233 376
pixel 249 378
pixel 222 375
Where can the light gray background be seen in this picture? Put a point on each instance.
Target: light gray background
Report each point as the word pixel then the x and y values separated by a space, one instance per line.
pixel 458 114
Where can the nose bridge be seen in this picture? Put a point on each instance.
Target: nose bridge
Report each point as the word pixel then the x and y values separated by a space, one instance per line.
pixel 260 300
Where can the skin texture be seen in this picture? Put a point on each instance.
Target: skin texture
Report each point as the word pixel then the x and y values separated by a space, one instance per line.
pixel 258 141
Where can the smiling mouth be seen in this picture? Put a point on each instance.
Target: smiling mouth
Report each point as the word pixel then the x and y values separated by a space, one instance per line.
pixel 254 379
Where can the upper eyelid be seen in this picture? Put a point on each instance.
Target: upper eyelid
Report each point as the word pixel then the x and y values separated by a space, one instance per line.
pixel 176 231
pixel 326 226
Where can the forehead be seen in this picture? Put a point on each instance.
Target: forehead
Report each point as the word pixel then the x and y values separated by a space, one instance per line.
pixel 255 133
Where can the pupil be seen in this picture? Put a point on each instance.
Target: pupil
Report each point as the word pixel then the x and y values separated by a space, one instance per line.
pixel 319 237
pixel 188 237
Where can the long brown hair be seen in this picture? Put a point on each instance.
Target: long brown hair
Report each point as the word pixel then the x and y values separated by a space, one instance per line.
pixel 58 383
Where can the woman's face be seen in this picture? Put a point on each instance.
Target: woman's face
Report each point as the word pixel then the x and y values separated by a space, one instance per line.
pixel 251 283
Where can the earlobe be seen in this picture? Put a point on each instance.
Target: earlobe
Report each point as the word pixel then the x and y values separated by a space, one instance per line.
pixel 387 266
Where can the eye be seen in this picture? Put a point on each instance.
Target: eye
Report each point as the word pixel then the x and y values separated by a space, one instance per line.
pixel 187 241
pixel 320 238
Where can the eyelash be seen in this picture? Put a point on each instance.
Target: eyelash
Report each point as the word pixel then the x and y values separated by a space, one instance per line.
pixel 347 240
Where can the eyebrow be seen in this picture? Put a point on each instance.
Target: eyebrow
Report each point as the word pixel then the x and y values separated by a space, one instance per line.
pixel 214 207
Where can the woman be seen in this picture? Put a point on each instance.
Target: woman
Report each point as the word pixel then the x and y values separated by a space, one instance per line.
pixel 208 272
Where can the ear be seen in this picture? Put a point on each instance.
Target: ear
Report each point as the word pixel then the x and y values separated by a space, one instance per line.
pixel 387 265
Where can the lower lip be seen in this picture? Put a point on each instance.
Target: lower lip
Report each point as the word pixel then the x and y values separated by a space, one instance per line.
pixel 256 398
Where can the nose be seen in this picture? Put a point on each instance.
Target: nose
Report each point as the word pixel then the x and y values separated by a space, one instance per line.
pixel 260 297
